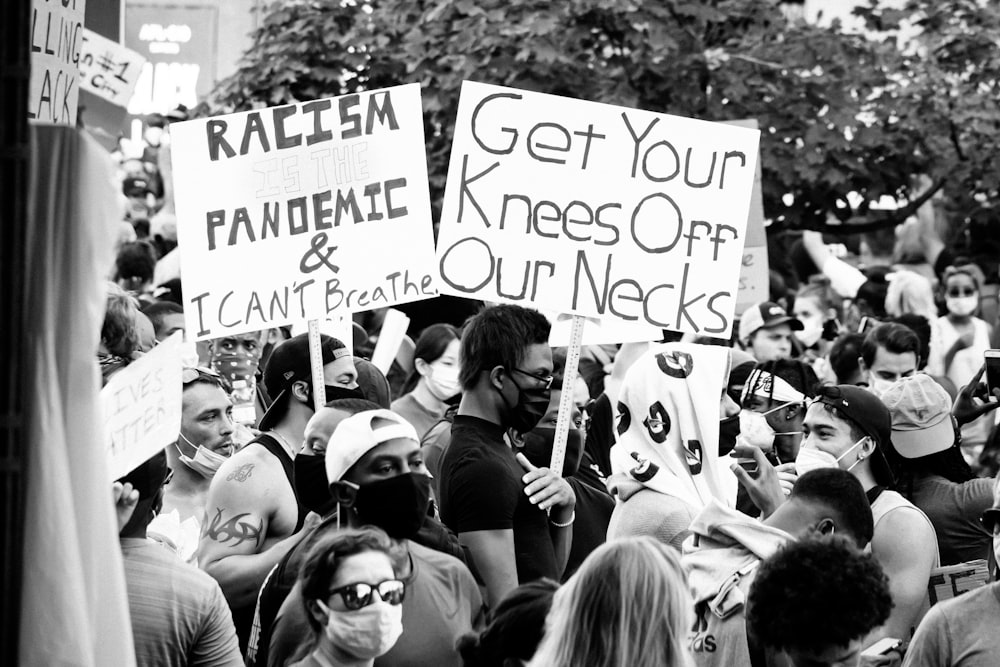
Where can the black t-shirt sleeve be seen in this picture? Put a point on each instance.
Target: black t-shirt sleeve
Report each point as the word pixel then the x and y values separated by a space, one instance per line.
pixel 482 496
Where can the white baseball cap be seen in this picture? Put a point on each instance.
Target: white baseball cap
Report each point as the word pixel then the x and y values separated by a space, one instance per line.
pixel 355 436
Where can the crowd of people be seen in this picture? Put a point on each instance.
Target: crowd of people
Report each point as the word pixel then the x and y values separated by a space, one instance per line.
pixel 784 498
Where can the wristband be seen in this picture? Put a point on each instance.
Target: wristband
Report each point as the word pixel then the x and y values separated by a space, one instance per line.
pixel 572 518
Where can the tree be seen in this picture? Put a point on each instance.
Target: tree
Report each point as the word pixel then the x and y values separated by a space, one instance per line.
pixel 840 113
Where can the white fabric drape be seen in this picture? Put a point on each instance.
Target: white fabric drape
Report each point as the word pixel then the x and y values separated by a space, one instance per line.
pixel 74 608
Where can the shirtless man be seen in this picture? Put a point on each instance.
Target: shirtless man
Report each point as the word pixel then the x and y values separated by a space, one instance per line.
pixel 252 517
pixel 203 444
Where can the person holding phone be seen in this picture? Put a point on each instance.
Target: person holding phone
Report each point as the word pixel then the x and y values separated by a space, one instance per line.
pixel 958 343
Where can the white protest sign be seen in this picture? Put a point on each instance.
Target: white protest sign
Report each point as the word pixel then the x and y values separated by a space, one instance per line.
pixel 601 332
pixel 56 40
pixel 595 210
pixel 108 69
pixel 302 212
pixel 755 278
pixel 142 407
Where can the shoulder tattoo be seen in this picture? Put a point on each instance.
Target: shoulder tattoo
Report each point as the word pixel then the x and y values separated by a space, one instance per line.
pixel 241 474
pixel 236 530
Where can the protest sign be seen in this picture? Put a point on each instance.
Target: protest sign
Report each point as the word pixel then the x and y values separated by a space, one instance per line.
pixel 108 69
pixel 600 332
pixel 303 211
pixel 142 407
pixel 56 40
pixel 596 210
pixel 755 279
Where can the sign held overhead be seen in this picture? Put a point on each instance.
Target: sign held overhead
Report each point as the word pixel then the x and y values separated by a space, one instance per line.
pixel 596 210
pixel 304 211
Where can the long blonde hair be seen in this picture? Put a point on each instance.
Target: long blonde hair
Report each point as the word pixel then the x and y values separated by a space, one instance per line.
pixel 627 606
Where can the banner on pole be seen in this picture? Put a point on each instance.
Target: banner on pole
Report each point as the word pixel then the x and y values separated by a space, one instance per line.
pixel 596 210
pixel 108 69
pixel 56 40
pixel 303 211
pixel 142 407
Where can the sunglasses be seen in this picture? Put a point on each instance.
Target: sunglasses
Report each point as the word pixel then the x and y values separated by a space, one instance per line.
pixel 991 520
pixel 190 375
pixel 954 292
pixel 359 595
pixel 170 476
pixel 545 379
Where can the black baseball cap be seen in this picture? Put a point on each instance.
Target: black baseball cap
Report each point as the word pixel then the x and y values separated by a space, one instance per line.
pixel 869 414
pixel 289 363
pixel 764 316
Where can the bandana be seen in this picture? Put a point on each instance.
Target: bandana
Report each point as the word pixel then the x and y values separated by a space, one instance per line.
pixel 761 382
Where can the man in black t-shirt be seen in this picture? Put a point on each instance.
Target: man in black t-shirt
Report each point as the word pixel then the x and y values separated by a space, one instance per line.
pixel 515 518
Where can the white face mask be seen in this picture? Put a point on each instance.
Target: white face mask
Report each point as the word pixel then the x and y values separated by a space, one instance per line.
pixel 996 547
pixel 443 382
pixel 812 330
pixel 754 429
pixel 963 306
pixel 879 386
pixel 365 633
pixel 205 461
pixel 813 458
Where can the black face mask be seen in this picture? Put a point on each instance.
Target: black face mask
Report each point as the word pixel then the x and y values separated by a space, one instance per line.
pixel 311 487
pixel 538 448
pixel 531 406
pixel 729 428
pixel 334 393
pixel 397 505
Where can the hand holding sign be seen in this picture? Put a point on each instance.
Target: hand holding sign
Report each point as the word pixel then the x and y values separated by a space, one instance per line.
pixel 545 488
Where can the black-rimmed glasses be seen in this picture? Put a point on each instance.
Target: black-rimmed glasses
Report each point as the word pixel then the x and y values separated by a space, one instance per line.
pixel 356 596
pixel 545 379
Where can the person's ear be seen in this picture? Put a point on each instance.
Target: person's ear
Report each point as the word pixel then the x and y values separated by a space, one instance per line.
pixel 862 365
pixel 300 390
pixel 826 527
pixel 516 439
pixel 344 493
pixel 423 368
pixel 316 612
pixel 497 375
pixel 867 448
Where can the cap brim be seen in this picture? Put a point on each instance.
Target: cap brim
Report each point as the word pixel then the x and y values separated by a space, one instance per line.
pixel 795 324
pixel 924 441
pixel 274 412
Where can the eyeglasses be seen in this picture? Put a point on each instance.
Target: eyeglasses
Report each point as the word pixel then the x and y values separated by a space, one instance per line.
pixel 545 379
pixel 359 595
pixel 991 520
pixel 190 375
pixel 954 292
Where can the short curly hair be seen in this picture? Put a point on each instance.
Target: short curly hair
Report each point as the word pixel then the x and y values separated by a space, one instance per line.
pixel 817 593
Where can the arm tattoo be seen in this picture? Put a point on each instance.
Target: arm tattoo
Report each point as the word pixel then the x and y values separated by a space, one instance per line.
pixel 233 530
pixel 241 473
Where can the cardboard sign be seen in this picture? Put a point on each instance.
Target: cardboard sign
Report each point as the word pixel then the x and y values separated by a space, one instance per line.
pixel 56 40
pixel 755 281
pixel 596 210
pixel 142 407
pixel 303 211
pixel 108 69
pixel 953 580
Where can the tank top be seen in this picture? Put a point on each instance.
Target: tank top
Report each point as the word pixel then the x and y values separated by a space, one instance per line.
pixel 271 444
pixel 889 501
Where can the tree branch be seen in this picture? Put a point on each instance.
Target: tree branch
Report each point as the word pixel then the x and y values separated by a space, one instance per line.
pixel 883 220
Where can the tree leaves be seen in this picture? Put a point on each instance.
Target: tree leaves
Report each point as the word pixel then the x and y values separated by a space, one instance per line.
pixel 840 113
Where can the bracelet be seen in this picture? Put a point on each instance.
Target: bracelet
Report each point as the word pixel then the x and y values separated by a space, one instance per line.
pixel 572 518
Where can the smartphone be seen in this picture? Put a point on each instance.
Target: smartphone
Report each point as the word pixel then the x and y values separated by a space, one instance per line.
pixel 882 646
pixel 992 372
